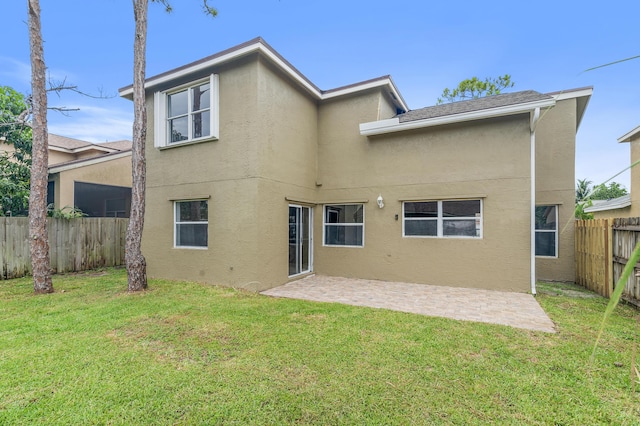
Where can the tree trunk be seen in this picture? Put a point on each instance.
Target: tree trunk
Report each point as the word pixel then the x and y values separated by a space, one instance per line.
pixel 136 264
pixel 38 235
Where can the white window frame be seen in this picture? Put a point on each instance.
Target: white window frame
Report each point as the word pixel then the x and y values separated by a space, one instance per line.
pixel 160 107
pixel 555 231
pixel 324 224
pixel 440 220
pixel 176 223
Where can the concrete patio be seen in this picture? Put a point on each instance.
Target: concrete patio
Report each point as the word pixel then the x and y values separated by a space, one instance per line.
pixel 518 310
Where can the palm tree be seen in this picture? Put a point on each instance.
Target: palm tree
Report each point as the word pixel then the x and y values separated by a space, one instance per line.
pixel 583 190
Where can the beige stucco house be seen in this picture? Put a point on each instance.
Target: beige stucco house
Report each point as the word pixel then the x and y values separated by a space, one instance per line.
pixel 255 177
pixel 96 178
pixel 627 205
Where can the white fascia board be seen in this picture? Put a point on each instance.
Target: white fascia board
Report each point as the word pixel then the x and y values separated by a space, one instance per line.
pixel 256 47
pixel 627 137
pixel 88 162
pixel 94 147
pixel 370 85
pixel 389 126
pixel 588 91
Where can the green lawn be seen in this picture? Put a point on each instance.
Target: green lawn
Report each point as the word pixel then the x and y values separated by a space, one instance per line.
pixel 186 353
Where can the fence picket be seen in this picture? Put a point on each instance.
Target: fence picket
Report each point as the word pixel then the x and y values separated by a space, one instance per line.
pixel 75 245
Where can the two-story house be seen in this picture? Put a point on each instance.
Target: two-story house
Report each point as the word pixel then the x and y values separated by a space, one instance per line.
pixel 255 177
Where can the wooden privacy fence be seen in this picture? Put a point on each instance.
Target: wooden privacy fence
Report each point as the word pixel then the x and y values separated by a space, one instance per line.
pixel 603 248
pixel 75 244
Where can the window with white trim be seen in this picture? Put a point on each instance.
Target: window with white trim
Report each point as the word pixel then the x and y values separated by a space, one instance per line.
pixel 442 219
pixel 547 231
pixel 191 220
pixel 343 225
pixel 186 114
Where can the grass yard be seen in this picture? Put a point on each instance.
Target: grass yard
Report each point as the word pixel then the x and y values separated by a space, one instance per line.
pixel 186 353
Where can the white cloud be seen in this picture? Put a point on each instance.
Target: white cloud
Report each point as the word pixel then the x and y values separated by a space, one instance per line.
pixel 93 124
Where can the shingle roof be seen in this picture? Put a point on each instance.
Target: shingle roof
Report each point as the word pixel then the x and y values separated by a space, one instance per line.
pixel 67 143
pixel 123 145
pixel 479 104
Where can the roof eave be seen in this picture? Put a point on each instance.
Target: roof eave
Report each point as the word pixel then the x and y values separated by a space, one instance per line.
pixel 75 164
pixel 630 135
pixel 582 96
pixel 260 46
pixel 394 125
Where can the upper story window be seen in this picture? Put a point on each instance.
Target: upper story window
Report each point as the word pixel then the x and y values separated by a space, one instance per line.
pixel 344 225
pixel 444 219
pixel 186 114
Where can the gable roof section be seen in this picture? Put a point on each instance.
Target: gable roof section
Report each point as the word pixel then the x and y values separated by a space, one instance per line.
pixel 456 112
pixel 476 109
pixel 261 47
pixel 473 105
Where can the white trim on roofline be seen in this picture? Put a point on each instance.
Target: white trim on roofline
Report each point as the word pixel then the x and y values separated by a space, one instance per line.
pixel 394 125
pixel 570 94
pixel 627 137
pixel 81 149
pixel 88 162
pixel 260 47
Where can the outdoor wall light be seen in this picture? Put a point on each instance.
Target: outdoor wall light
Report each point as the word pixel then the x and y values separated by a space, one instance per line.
pixel 380 201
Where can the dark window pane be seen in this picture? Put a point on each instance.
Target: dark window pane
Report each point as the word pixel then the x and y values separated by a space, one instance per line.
pixel 462 228
pixel 192 211
pixel 343 235
pixel 461 208
pixel 421 228
pixel 201 97
pixel 545 243
pixel 178 103
pixel 192 235
pixel 201 124
pixel 178 129
pixel 422 209
pixel 546 217
pixel 349 213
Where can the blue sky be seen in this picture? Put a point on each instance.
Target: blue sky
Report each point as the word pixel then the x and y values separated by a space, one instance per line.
pixel 424 46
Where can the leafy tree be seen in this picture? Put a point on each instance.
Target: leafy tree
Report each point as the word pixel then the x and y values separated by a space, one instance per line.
pixel 135 261
pixel 604 192
pixel 474 88
pixel 14 166
pixel 38 236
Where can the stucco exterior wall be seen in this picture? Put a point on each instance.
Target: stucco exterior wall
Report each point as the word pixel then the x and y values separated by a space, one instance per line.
pixel 115 172
pixel 57 157
pixel 487 160
pixel 555 185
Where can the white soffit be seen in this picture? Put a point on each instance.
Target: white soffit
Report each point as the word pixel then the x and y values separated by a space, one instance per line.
pixel 394 125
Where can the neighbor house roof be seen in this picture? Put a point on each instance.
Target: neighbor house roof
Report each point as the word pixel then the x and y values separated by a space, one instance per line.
pixel 83 162
pixel 612 204
pixel 475 109
pixel 258 45
pixel 72 146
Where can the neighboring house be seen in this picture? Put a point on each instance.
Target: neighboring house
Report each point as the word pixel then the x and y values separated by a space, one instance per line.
pixel 627 205
pixel 256 177
pixel 96 178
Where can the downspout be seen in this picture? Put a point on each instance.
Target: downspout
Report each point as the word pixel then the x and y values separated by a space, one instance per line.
pixel 533 122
